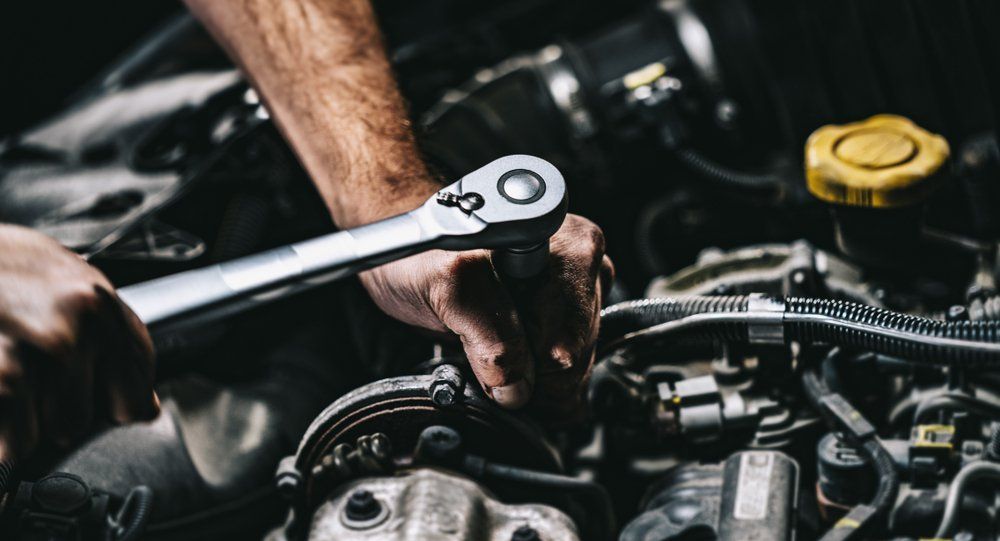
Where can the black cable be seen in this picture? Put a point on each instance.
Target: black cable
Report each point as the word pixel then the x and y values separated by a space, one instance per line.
pixel 993 448
pixel 626 317
pixel 861 519
pixel 599 506
pixel 918 409
pixel 969 473
pixel 840 323
pixel 727 177
pixel 910 337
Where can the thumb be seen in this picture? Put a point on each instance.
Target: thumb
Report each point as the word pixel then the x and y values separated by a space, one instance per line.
pixel 477 308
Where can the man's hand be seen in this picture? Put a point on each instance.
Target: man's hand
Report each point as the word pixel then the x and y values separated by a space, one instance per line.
pixel 71 354
pixel 459 292
pixel 321 69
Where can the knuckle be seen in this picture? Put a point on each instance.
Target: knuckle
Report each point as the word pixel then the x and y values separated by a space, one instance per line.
pixel 11 370
pixel 594 233
pixel 464 277
pixel 586 240
pixel 493 360
pixel 595 251
pixel 440 287
pixel 493 357
pixel 58 342
pixel 466 265
pixel 11 377
pixel 608 267
pixel 79 298
pixel 490 354
pixel 595 241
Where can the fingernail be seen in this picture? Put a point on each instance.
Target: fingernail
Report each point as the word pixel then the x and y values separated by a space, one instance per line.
pixel 512 396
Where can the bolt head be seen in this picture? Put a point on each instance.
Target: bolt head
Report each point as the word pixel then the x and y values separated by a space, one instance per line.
pixel 362 505
pixel 446 389
pixel 443 396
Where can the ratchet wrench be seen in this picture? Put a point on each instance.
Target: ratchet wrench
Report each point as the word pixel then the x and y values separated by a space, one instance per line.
pixel 511 205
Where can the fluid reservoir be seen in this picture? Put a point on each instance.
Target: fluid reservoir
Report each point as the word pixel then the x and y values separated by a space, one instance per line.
pixel 877 175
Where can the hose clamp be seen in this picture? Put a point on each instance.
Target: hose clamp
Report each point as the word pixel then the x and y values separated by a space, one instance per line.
pixel 765 319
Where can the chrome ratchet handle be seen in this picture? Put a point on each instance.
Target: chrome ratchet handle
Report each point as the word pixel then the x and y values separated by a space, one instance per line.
pixel 512 202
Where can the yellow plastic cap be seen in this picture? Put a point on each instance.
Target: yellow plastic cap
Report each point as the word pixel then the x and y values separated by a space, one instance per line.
pixel 882 162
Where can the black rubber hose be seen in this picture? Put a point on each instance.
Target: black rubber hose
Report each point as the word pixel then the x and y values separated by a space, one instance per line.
pixel 970 473
pixel 620 319
pixel 835 322
pixel 993 449
pixel 899 343
pixel 888 478
pixel 6 475
pixel 726 176
pixel 599 505
pixel 244 224
pixel 988 308
pixel 131 520
pixel 864 517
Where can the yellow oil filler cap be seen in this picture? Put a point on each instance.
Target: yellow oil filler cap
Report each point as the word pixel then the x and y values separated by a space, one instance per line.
pixel 885 161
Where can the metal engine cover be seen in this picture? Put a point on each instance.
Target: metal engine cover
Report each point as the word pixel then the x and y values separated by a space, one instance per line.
pixel 428 504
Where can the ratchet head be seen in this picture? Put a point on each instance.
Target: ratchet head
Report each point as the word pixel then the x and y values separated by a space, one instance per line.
pixel 515 202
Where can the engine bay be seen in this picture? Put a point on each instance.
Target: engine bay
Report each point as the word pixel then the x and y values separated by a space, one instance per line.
pixel 802 201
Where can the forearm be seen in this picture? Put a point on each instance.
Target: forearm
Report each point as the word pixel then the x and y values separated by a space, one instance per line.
pixel 321 68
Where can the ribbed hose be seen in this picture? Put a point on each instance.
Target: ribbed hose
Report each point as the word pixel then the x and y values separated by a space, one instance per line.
pixel 993 449
pixel 6 474
pixel 991 308
pixel 131 520
pixel 722 175
pixel 909 337
pixel 243 226
pixel 985 309
pixel 625 317
pixel 839 323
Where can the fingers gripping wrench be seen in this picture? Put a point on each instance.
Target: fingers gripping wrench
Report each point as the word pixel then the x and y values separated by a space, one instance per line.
pixel 512 205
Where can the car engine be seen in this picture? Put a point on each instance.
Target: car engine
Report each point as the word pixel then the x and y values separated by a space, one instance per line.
pixel 802 201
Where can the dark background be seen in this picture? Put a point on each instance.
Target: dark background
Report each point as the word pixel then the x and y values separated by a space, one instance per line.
pixel 50 49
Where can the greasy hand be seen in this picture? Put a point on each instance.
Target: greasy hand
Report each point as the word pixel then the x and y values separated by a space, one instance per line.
pixel 71 354
pixel 545 354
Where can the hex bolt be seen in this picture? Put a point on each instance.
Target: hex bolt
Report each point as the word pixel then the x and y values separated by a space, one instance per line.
pixel 362 506
pixel 525 533
pixel 443 395
pixel 447 387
